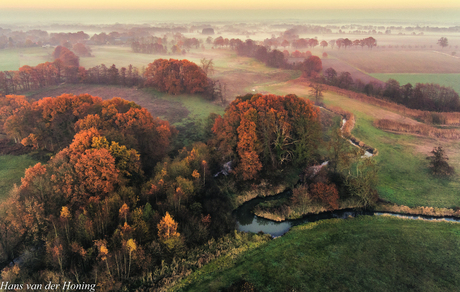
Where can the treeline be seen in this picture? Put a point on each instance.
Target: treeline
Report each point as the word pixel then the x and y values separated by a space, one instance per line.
pixel 424 96
pixel 155 45
pixel 171 76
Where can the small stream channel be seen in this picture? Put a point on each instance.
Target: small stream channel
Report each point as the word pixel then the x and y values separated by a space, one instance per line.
pixel 246 221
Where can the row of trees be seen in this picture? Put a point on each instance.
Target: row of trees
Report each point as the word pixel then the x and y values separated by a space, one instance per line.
pixel 424 96
pixel 171 76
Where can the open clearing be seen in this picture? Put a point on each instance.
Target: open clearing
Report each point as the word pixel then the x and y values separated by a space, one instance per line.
pixel 12 168
pixel 361 254
pixel 393 61
pixel 452 80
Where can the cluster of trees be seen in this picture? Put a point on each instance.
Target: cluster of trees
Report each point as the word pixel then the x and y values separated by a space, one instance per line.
pixel 266 132
pixel 65 67
pixel 249 48
pixel 172 76
pixel 424 96
pixel 148 48
pixel 52 123
pixel 92 213
pixel 154 45
pixel 176 76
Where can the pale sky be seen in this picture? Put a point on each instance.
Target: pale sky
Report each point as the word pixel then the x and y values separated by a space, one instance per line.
pixel 228 4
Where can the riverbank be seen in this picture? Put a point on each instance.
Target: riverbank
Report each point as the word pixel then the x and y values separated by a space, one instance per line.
pixel 345 255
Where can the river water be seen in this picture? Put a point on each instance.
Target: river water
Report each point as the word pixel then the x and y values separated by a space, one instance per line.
pixel 246 221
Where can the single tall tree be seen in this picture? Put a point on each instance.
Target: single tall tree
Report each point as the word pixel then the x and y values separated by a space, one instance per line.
pixel 438 163
pixel 443 42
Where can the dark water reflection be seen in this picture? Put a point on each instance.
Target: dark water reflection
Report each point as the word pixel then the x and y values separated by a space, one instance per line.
pixel 246 221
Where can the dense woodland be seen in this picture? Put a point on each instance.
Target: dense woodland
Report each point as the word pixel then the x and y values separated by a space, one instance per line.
pixel 112 207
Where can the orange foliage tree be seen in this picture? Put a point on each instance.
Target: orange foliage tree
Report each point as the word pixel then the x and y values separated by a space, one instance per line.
pixel 259 131
pixel 326 194
pixel 176 76
pixel 167 228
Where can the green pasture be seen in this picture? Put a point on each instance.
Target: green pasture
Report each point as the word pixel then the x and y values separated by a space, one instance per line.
pixel 12 168
pixel 13 59
pixel 451 80
pixel 404 177
pixel 360 254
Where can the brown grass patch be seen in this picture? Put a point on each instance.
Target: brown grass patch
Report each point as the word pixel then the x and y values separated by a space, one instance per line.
pixel 172 111
pixel 341 66
pixel 420 129
pixel 422 210
pixel 446 118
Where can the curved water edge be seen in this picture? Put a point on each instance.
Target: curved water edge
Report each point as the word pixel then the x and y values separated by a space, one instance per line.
pixel 246 221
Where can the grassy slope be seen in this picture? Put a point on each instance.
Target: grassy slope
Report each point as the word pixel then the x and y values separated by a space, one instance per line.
pixel 452 80
pixel 12 168
pixel 361 254
pixel 404 176
pixel 12 59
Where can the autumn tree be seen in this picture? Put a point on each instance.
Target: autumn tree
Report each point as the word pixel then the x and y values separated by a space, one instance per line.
pixel 176 76
pixel 267 131
pixel 167 228
pixel 311 65
pixel 323 44
pixel 443 42
pixel 327 194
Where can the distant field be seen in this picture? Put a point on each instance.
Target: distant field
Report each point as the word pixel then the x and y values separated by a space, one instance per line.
pixel 13 59
pixel 404 178
pixel 360 254
pixel 386 61
pixel 12 168
pixel 452 80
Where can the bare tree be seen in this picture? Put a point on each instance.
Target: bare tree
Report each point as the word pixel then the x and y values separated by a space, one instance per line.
pixel 207 66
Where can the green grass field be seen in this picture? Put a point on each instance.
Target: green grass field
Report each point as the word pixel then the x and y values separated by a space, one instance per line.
pixel 361 254
pixel 12 168
pixel 452 80
pixel 404 177
pixel 13 59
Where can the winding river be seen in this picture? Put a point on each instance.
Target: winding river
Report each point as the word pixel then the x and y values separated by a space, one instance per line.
pixel 246 221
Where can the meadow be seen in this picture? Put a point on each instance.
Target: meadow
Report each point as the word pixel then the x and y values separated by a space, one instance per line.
pixel 361 254
pixel 11 170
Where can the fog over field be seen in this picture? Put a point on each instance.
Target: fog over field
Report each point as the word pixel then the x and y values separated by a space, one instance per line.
pixel 139 144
